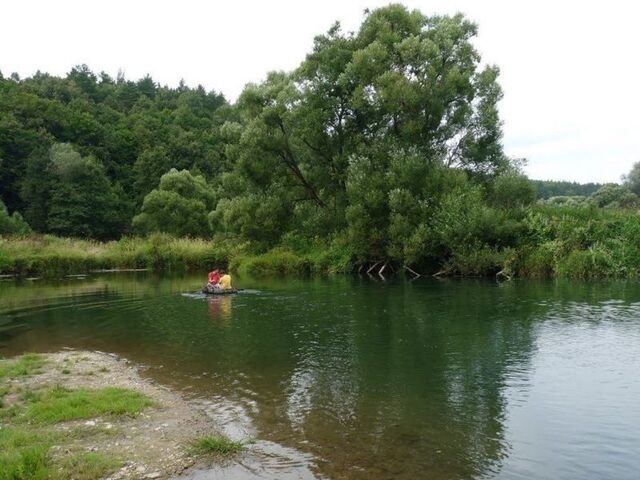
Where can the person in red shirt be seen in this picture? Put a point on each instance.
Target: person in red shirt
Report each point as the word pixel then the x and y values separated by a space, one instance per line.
pixel 214 277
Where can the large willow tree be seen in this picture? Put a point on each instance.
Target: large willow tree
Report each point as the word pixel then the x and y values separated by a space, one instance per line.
pixel 330 138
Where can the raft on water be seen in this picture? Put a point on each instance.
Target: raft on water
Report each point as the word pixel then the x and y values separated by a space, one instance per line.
pixel 212 291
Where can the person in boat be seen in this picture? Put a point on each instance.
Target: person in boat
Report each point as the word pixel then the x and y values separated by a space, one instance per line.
pixel 214 278
pixel 225 281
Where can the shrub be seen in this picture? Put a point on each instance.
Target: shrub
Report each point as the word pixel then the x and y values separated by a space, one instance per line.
pixel 12 224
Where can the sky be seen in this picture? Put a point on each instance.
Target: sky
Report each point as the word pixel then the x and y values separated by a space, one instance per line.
pixel 569 69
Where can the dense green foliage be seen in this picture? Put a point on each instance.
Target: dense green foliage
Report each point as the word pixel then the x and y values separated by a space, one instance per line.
pixel 632 179
pixel 586 242
pixel 53 256
pixel 613 195
pixel 125 136
pixel 390 114
pixel 384 145
pixel 179 206
pixel 12 224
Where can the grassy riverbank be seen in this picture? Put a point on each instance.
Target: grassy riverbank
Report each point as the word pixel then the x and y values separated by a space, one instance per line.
pixel 50 256
pixel 57 422
pixel 543 241
pixel 47 255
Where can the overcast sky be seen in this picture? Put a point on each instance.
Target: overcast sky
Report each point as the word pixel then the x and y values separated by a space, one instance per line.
pixel 569 69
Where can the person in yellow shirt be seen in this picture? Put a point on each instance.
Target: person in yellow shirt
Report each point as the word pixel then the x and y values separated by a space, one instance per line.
pixel 225 281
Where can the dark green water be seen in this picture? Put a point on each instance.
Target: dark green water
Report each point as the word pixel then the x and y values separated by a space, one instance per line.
pixel 357 379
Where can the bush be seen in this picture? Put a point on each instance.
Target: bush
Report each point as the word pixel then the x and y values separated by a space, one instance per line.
pixel 586 264
pixel 275 262
pixel 511 191
pixel 614 196
pixel 538 261
pixel 474 261
pixel 12 224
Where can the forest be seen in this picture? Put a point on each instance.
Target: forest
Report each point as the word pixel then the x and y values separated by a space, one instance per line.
pixel 383 147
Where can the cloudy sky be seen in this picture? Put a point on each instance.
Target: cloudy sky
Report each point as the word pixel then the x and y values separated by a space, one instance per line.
pixel 570 69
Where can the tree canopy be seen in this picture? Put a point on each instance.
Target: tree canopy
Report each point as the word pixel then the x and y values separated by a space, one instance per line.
pixel 632 179
pixel 135 131
pixel 179 206
pixel 326 139
pixel 386 139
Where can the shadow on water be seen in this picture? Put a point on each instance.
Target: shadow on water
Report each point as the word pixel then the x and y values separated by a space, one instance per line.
pixel 354 378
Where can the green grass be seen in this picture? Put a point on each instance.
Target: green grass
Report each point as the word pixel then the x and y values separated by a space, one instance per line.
pixel 24 365
pixel 60 404
pixel 333 255
pixel 50 256
pixel 47 255
pixel 4 389
pixel 24 454
pixel 88 466
pixel 540 241
pixel 214 445
pixel 274 262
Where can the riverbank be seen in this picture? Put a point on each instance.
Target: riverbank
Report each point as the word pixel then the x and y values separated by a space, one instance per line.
pixel 51 256
pixel 538 242
pixel 87 415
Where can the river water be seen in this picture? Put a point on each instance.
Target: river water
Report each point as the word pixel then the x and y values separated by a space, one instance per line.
pixel 355 378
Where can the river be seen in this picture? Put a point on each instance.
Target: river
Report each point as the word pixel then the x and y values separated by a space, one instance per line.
pixel 358 378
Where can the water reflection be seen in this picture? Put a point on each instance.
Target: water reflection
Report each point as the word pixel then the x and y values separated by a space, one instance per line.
pixel 219 307
pixel 359 379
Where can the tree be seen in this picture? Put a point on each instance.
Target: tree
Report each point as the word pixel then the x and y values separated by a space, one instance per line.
pixel 511 190
pixel 149 167
pixel 83 202
pixel 403 82
pixel 179 206
pixel 546 189
pixel 613 195
pixel 115 122
pixel 632 179
pixel 84 78
pixel 36 188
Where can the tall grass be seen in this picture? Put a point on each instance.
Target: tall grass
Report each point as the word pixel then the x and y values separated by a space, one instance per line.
pixel 47 255
pixel 580 242
pixel 296 255
pixel 539 241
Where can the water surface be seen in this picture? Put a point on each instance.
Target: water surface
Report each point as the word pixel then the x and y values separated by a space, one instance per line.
pixel 351 378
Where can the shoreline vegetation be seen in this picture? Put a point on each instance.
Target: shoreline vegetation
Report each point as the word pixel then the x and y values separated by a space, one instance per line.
pixel 58 421
pixel 382 151
pixel 544 241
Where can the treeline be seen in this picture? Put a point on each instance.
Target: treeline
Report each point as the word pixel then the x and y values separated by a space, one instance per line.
pixel 384 145
pixel 78 154
pixel 557 188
